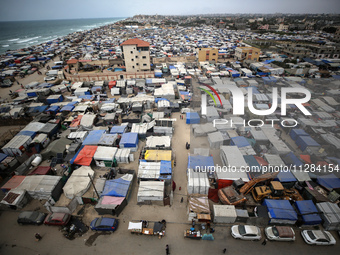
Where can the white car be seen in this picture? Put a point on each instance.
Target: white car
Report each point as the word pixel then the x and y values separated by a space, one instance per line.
pixel 278 233
pixel 318 237
pixel 50 78
pixel 246 232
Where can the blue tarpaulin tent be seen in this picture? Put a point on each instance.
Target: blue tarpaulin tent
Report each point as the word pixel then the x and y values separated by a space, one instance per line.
pixel 3 156
pixel 280 211
pixel 54 99
pixel 129 140
pixel 202 162
pixel 27 133
pixel 329 181
pixel 116 188
pixel 308 212
pixel 285 176
pixel 192 118
pixel 291 160
pixel 53 109
pixel 255 167
pixel 93 137
pixel 117 129
pixel 159 99
pixel 239 141
pixel 306 141
pixel 67 108
pixel 296 132
pixel 165 167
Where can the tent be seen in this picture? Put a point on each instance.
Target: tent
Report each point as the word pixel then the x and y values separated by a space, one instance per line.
pixel 79 182
pixel 129 140
pixel 152 191
pixel 104 156
pixel 12 183
pixel 303 142
pixel 41 170
pixel 280 211
pixel 93 137
pixel 192 118
pixel 239 141
pixel 118 187
pixel 308 212
pixel 158 155
pixel 291 160
pixel 84 156
pixel 118 129
pixel 329 182
pixel 110 205
pixel 296 132
pixel 57 146
pixel 201 163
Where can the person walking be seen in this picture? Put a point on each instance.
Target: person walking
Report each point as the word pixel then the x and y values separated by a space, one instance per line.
pixel 167 250
pixel 264 242
pixel 224 250
pixel 38 237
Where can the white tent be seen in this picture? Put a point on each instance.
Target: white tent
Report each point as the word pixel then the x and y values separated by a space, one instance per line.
pixel 78 183
pixel 150 191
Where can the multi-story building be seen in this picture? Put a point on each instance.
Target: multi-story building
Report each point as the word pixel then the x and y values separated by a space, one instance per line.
pixel 296 51
pixel 207 54
pixel 337 35
pixel 136 55
pixel 283 27
pixel 247 53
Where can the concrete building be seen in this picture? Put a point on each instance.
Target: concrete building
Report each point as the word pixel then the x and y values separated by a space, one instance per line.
pixel 136 55
pixel 337 35
pixel 247 53
pixel 207 54
pixel 296 51
pixel 283 27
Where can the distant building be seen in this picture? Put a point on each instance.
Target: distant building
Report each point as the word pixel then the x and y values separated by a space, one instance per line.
pixel 247 53
pixel 283 27
pixel 337 35
pixel 136 55
pixel 207 54
pixel 296 51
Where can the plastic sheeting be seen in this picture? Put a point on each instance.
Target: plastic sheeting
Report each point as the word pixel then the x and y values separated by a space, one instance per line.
pixel 117 187
pixel 78 183
pixel 329 181
pixel 85 156
pixel 150 191
pixel 200 162
pixel 239 141
pixel 158 155
pixel 280 211
pixel 192 118
pixel 129 140
pixel 291 160
pixel 296 132
pixel 308 212
pixel 118 129
pixel 158 141
pixel 93 137
pixel 198 203
pixel 306 141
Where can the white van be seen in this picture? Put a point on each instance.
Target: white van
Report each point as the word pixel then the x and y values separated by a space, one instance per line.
pixel 52 73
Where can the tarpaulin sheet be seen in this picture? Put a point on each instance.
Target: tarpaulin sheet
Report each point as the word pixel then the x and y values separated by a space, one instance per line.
pixel 306 159
pixel 53 108
pixel 68 108
pixel 308 212
pixel 165 167
pixel 3 156
pixel 41 170
pixel 261 161
pixel 200 162
pixel 117 129
pixel 291 160
pixel 158 155
pixel 280 209
pixel 296 132
pixel 329 181
pixel 306 141
pixel 27 133
pixel 213 195
pixel 116 188
pixel 285 176
pixel 239 141
pixel 108 200
pixel 93 137
pixel 198 203
pixel 85 155
pixel 192 118
pixel 129 140
pixel 13 182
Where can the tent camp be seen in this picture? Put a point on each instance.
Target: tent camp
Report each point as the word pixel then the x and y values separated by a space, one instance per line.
pixel 308 212
pixel 280 211
pixel 84 156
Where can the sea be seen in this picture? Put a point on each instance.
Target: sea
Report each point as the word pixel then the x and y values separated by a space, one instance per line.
pixel 22 34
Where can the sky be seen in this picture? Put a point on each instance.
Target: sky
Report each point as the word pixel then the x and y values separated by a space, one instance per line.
pixel 12 10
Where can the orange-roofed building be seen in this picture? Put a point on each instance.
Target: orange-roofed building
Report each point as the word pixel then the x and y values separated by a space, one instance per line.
pixel 136 55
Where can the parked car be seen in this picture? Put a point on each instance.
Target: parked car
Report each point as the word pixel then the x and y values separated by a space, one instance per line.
pixel 57 219
pixel 50 78
pixel 31 218
pixel 104 224
pixel 246 232
pixel 278 233
pixel 318 237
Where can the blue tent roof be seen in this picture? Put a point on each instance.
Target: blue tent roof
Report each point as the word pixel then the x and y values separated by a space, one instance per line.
pixel 27 133
pixel 192 118
pixel 200 161
pixel 308 212
pixel 160 99
pixel 334 159
pixel 129 140
pixel 116 188
pixel 291 160
pixel 295 132
pixel 329 181
pixel 67 108
pixel 117 129
pixel 280 209
pixel 93 137
pixel 2 156
pixel 239 141
pixel 306 141
pixel 165 167
pixel 285 176
pixel 53 108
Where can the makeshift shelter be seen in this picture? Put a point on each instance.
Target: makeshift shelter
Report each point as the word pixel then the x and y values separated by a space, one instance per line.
pixel 158 142
pixel 122 155
pixel 198 182
pixel 12 183
pixel 49 129
pixel 93 137
pixel 120 187
pixel 216 140
pixel 118 129
pixel 84 156
pixel 57 146
pixel 79 182
pixel 308 211
pixel 130 141
pixel 280 211
pixel 108 139
pixel 87 121
pixel 78 136
pixel 330 213
pixel 198 207
pixel 110 205
pixel 330 182
pixel 41 170
pixel 192 118
pixel 296 132
pixel 304 142
pixel 224 214
pixel 200 163
pixel 151 192
pixel 42 186
pixel 17 145
pixel 158 155
pixel 104 156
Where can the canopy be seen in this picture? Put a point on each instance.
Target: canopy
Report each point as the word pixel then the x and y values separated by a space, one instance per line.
pixel 129 140
pixel 201 162
pixel 329 181
pixel 118 187
pixel 192 118
pixel 85 155
pixel 93 137
pixel 79 182
pixel 57 146
pixel 158 155
pixel 308 212
pixel 280 211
